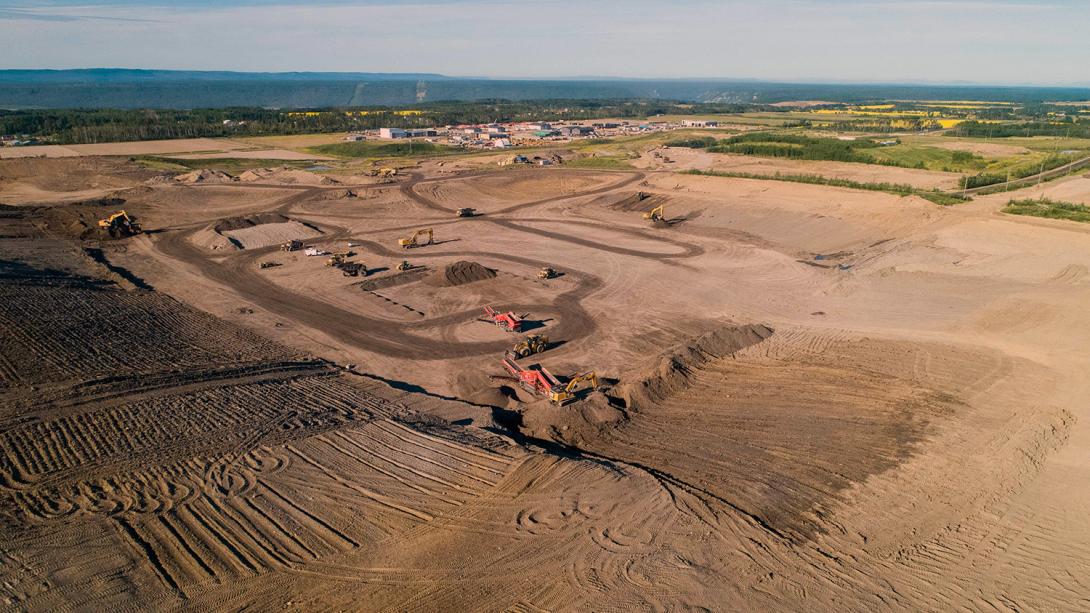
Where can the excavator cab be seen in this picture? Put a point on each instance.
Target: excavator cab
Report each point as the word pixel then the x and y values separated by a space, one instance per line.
pixel 566 394
pixel 119 225
pixel 418 239
pixel 655 214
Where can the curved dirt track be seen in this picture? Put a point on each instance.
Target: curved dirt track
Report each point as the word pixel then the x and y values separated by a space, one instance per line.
pixel 389 338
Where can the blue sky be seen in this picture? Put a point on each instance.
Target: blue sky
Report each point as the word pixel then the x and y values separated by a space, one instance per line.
pixel 984 41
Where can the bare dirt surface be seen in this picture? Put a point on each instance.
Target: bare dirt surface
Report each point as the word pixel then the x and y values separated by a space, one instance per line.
pixel 808 398
pixel 682 158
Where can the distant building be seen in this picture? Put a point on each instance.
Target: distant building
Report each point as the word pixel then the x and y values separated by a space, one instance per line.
pixel 540 126
pixel 545 133
pixel 391 133
pixel 572 131
pixel 698 123
pixel 606 125
pixel 501 143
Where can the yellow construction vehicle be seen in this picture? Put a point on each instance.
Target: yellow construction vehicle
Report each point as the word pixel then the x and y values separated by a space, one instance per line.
pixel 655 214
pixel 547 273
pixel 336 260
pixel 415 239
pixel 387 173
pixel 292 245
pixel 119 224
pixel 562 395
pixel 535 343
pixel 404 265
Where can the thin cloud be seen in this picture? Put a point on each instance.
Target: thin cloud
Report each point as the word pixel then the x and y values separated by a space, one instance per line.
pixel 21 14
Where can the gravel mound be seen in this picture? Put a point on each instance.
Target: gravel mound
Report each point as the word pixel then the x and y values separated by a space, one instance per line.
pixel 460 273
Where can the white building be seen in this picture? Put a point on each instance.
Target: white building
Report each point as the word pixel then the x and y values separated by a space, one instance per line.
pixel 695 123
pixel 391 133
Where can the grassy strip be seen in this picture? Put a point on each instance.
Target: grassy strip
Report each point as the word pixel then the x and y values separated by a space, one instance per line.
pixel 900 189
pixel 1051 209
pixel 226 164
pixel 365 149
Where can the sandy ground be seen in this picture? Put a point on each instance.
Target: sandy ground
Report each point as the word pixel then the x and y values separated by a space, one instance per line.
pixel 684 159
pixel 183 148
pixel 810 398
pixel 259 154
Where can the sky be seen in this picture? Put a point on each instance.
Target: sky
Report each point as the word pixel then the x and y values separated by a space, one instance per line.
pixel 846 41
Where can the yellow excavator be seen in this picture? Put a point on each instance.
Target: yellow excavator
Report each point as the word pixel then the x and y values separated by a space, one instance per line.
pixel 535 343
pixel 415 240
pixel 655 214
pixel 565 394
pixel 119 224
pixel 547 273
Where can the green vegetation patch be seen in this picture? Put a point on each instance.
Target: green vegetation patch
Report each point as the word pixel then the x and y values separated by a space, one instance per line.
pixel 368 149
pixel 696 142
pixel 1051 209
pixel 227 164
pixel 900 189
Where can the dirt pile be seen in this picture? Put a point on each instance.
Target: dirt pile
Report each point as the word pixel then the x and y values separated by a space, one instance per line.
pixel 285 175
pixel 256 231
pixel 205 175
pixel 639 201
pixel 460 273
pixel 337 194
pixel 238 223
pixel 673 369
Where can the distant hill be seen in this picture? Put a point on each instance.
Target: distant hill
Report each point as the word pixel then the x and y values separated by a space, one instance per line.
pixel 167 89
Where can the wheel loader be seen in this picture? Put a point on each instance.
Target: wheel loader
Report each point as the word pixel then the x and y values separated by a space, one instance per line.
pixel 535 343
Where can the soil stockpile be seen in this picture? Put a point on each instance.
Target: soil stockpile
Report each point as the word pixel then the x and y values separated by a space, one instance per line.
pixel 394 280
pixel 205 175
pixel 460 273
pixel 674 369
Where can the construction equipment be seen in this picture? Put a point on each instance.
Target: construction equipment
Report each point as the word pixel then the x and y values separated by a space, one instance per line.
pixel 415 239
pixel 535 343
pixel 314 251
pixel 353 269
pixel 404 265
pixel 547 273
pixel 508 321
pixel 387 173
pixel 265 265
pixel 119 224
pixel 466 212
pixel 540 382
pixel 563 395
pixel 337 259
pixel 292 245
pixel 655 214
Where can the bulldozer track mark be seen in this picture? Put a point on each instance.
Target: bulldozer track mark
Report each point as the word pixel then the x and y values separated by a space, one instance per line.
pixel 149 553
pixel 401 465
pixel 390 474
pixel 378 499
pixel 312 518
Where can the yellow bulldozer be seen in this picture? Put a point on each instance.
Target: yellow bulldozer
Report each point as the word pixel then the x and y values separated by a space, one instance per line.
pixel 119 225
pixel 418 239
pixel 535 343
pixel 566 393
pixel 655 214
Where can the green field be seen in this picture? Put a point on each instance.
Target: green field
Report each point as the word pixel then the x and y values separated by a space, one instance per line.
pixel 1051 209
pixel 370 149
pixel 931 158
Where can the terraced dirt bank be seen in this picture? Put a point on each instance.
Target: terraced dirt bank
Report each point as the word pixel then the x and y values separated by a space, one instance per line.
pixel 812 398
